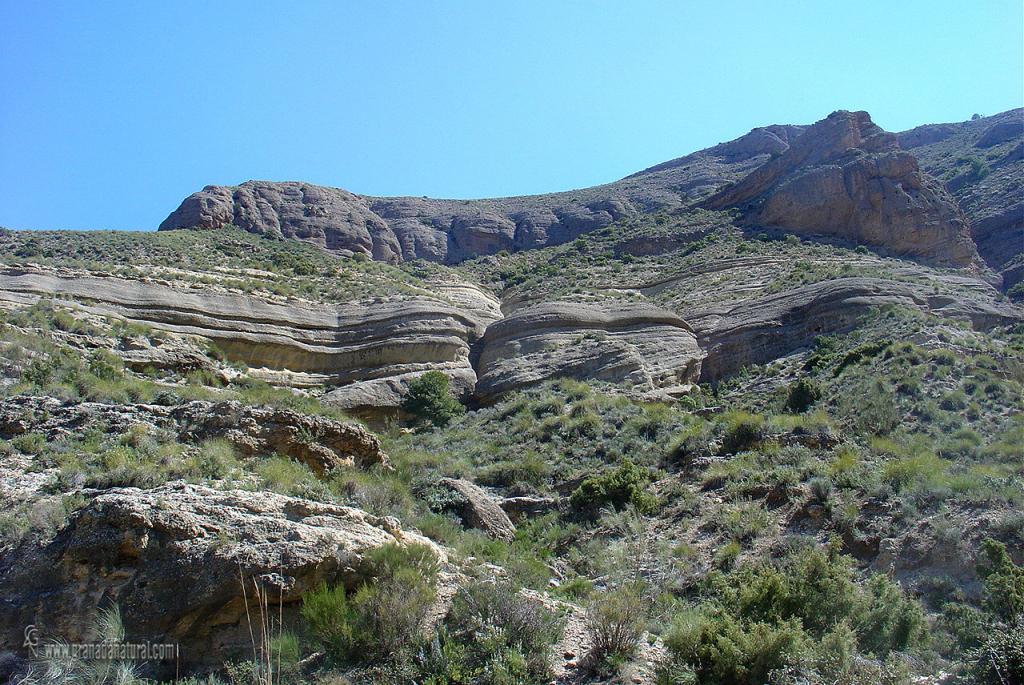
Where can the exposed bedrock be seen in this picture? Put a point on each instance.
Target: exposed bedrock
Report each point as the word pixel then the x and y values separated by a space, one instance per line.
pixel 296 344
pixel 844 176
pixel 758 331
pixel 650 350
pixel 173 560
pixel 398 228
pixel 321 443
pixel 982 163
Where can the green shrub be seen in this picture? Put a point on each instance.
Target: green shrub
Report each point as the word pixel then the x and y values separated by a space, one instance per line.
pixel 382 619
pixel 30 443
pixel 801 395
pixel 615 621
pixel 623 485
pixel 500 636
pixel 430 399
pixel 743 432
pixel 1003 580
pixel 1000 660
pixel 721 650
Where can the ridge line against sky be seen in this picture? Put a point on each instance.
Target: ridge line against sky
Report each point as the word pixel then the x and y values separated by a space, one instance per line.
pixel 114 112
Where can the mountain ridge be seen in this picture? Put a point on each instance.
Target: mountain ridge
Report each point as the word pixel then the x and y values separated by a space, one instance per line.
pixel 396 229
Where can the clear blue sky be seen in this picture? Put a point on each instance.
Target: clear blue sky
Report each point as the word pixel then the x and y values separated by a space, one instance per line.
pixel 112 112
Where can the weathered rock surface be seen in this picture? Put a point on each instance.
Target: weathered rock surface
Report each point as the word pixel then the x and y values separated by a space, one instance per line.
pixel 479 510
pixel 370 349
pixel 317 441
pixel 321 443
pixel 450 231
pixel 173 559
pixel 646 348
pixel 982 164
pixel 760 330
pixel 844 176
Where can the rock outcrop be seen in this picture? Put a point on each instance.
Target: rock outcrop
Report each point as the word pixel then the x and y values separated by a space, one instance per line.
pixel 321 443
pixel 846 177
pixel 479 510
pixel 760 330
pixel 982 164
pixel 173 559
pixel 397 229
pixel 648 349
pixel 368 351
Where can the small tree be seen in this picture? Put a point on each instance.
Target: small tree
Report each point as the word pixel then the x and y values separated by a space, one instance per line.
pixel 802 394
pixel 430 399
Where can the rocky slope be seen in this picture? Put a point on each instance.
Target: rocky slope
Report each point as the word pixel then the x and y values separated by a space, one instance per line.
pixel 174 559
pixel 981 162
pixel 843 176
pixel 764 366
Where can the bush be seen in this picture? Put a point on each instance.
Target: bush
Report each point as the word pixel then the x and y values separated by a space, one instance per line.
pixel 430 399
pixel 720 650
pixel 743 432
pixel 1001 659
pixel 497 634
pixel 802 394
pixel 616 621
pixel 619 487
pixel 1004 581
pixel 766 616
pixel 382 619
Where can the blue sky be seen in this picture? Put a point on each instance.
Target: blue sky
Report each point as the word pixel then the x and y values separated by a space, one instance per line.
pixel 112 112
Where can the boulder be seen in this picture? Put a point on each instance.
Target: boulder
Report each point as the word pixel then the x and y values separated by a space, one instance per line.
pixel 479 510
pixel 174 560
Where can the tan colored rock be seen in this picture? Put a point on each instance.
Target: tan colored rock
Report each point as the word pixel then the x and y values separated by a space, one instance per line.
pixel 321 443
pixel 844 176
pixel 172 558
pixel 641 346
pixel 480 510
pixel 760 330
pixel 317 441
pixel 368 351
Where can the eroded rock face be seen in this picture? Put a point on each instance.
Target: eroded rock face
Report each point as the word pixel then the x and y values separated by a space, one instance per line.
pixel 321 443
pixel 479 510
pixel 173 559
pixel 368 350
pixel 648 349
pixel 844 176
pixel 391 229
pixel 449 231
pixel 758 331
pixel 982 164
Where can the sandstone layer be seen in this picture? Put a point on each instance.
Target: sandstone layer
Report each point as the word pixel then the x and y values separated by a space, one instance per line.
pixel 760 330
pixel 367 350
pixel 846 177
pixel 981 162
pixel 650 350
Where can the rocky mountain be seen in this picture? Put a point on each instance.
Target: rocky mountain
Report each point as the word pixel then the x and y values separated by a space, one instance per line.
pixel 751 415
pixel 843 177
pixel 981 162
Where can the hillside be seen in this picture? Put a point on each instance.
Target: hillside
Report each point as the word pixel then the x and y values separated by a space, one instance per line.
pixel 751 415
